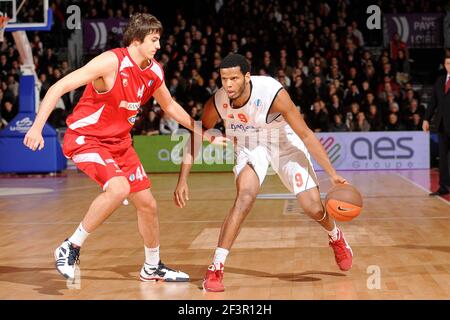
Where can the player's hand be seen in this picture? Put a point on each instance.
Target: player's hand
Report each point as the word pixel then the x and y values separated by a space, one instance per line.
pixel 220 141
pixel 33 139
pixel 337 179
pixel 426 126
pixel 181 194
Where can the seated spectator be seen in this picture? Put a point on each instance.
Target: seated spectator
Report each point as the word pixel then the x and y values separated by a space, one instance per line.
pixel 8 111
pixel 176 89
pixel 402 68
pixel 365 88
pixel 195 113
pixel 361 124
pixel 408 98
pixel 335 106
pixel 388 86
pixel 368 100
pixel 301 66
pixel 212 87
pixel 334 74
pixel 167 125
pixel 394 123
pixel 395 45
pixel 331 91
pixel 283 79
pixel 374 118
pixel 13 85
pixel 65 69
pixel 394 108
pixel 317 90
pixel 57 118
pixel 385 105
pixel 352 95
pixel 416 124
pixel 297 92
pixel 408 115
pixel 150 124
pixel 5 66
pixel 338 125
pixel 319 118
pixel 195 85
pixel 45 85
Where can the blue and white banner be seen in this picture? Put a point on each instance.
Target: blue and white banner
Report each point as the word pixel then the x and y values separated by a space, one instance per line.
pixel 97 33
pixel 376 150
pixel 417 30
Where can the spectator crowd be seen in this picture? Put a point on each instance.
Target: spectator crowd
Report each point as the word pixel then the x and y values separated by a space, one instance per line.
pixel 316 49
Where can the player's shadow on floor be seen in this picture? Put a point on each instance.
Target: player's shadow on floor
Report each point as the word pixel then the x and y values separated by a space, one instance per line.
pixel 47 280
pixel 42 278
pixel 197 272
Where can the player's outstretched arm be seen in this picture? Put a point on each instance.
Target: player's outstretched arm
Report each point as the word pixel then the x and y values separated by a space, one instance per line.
pixel 171 107
pixel 193 146
pixel 284 105
pixel 100 66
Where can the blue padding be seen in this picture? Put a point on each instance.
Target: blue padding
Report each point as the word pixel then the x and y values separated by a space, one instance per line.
pixel 27 94
pixel 14 156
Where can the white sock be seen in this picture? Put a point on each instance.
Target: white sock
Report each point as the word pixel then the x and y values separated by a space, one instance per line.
pixel 220 256
pixel 333 233
pixel 79 236
pixel 152 256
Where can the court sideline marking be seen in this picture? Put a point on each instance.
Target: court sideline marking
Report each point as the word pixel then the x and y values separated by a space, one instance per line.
pixel 421 187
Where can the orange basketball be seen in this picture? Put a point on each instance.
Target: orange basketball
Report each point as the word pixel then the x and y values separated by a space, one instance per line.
pixel 343 202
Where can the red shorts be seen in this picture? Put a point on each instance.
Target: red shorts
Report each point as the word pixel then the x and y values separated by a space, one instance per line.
pixel 104 159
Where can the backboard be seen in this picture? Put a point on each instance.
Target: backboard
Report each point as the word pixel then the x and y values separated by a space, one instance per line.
pixel 27 15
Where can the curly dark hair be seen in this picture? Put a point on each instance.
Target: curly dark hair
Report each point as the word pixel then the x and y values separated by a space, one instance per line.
pixel 235 60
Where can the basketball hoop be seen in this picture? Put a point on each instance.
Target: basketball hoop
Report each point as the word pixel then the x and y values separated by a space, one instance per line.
pixel 3 22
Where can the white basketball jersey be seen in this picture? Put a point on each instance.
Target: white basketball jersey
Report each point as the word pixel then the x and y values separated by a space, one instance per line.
pixel 255 114
pixel 263 138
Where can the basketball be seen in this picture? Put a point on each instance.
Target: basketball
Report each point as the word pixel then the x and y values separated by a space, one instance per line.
pixel 343 202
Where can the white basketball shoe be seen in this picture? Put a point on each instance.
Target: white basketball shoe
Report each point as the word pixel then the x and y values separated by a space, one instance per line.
pixel 66 258
pixel 161 272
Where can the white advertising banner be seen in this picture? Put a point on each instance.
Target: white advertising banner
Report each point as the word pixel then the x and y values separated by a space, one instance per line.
pixel 376 150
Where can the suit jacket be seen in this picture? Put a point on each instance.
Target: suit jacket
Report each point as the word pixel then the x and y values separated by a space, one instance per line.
pixel 440 102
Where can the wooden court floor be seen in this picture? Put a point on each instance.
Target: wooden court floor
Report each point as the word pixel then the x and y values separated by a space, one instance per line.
pixel 401 242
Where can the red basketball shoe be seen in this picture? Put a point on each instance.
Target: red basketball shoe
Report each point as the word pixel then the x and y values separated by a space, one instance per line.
pixel 213 278
pixel 342 252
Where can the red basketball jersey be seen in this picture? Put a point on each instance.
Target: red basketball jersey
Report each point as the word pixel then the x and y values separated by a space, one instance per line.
pixel 111 114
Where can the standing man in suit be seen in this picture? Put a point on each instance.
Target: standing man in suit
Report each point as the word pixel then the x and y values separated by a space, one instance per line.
pixel 441 102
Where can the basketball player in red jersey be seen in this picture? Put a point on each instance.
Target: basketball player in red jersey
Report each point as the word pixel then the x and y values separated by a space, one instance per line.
pixel 99 143
pixel 268 129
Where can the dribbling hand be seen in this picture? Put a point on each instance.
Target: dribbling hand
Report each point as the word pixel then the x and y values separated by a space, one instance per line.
pixel 337 179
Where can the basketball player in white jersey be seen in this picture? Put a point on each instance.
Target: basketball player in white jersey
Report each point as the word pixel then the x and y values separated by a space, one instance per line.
pixel 259 109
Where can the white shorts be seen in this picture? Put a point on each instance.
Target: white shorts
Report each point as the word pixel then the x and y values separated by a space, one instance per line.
pixel 289 159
